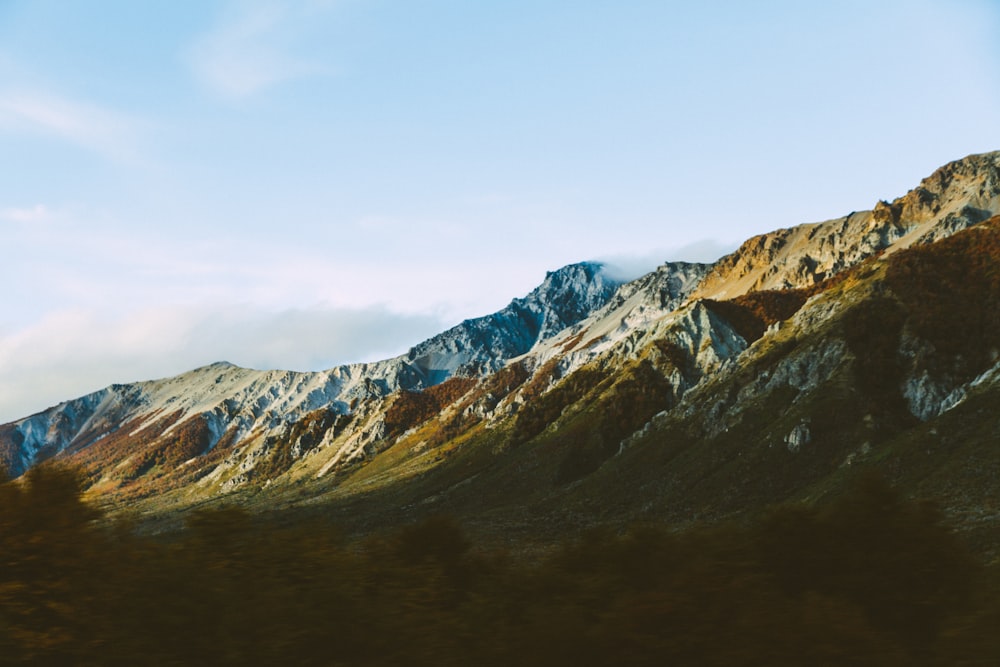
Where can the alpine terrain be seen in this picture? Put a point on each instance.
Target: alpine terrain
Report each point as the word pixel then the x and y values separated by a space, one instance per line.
pixel 696 392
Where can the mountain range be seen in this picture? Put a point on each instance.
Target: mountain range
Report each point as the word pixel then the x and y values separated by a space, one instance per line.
pixel 805 358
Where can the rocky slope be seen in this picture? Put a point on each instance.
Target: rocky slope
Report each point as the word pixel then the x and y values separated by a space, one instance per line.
pixel 232 403
pixel 828 393
pixel 959 194
pixel 693 391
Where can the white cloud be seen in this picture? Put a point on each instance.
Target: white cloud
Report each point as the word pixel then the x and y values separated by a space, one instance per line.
pixel 82 316
pixel 631 266
pixel 73 352
pixel 89 126
pixel 251 49
pixel 82 259
pixel 30 214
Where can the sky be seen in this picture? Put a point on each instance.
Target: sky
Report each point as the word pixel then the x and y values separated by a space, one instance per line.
pixel 299 184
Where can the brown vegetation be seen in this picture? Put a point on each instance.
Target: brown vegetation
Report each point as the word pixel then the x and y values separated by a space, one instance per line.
pixel 541 380
pixel 412 408
pixel 572 342
pixel 542 409
pixel 638 392
pixel 751 314
pixel 303 436
pixel 485 397
pixel 951 290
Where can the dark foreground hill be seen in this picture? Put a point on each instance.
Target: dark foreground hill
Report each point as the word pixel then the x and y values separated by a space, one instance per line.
pixel 870 579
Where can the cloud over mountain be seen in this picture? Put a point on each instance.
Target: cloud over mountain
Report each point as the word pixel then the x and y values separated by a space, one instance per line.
pixel 66 353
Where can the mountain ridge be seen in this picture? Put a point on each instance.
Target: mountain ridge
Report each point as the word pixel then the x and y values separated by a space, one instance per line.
pixel 486 341
pixel 584 377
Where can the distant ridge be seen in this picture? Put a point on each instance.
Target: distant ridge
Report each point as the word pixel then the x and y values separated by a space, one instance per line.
pixel 803 358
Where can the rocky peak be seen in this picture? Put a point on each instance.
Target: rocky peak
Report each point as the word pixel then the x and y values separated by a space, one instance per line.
pixel 568 295
pixel 485 344
pixel 246 401
pixel 960 194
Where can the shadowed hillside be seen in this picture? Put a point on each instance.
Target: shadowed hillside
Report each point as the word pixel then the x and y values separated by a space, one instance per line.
pixel 872 579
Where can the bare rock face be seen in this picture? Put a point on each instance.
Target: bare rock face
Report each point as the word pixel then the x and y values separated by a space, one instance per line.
pixel 885 214
pixel 799 437
pixel 243 404
pixel 965 189
pixel 927 398
pixel 485 344
pixel 956 196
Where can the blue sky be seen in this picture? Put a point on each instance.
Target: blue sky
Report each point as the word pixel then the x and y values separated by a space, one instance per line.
pixel 305 183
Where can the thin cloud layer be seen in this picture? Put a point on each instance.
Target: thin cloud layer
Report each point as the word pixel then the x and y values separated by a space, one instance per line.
pixel 27 214
pixel 631 266
pixel 74 352
pixel 89 126
pixel 251 49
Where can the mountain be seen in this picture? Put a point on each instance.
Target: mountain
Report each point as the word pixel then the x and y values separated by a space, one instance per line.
pixel 805 358
pixel 222 401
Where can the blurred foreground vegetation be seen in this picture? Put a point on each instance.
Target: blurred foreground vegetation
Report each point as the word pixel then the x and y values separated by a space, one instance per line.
pixel 871 580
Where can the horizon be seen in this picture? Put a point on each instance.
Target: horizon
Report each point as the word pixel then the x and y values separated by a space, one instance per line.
pixel 309 183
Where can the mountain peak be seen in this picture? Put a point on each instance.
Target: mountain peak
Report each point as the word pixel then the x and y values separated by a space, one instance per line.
pixel 483 344
pixel 956 196
pixel 580 333
pixel 589 268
